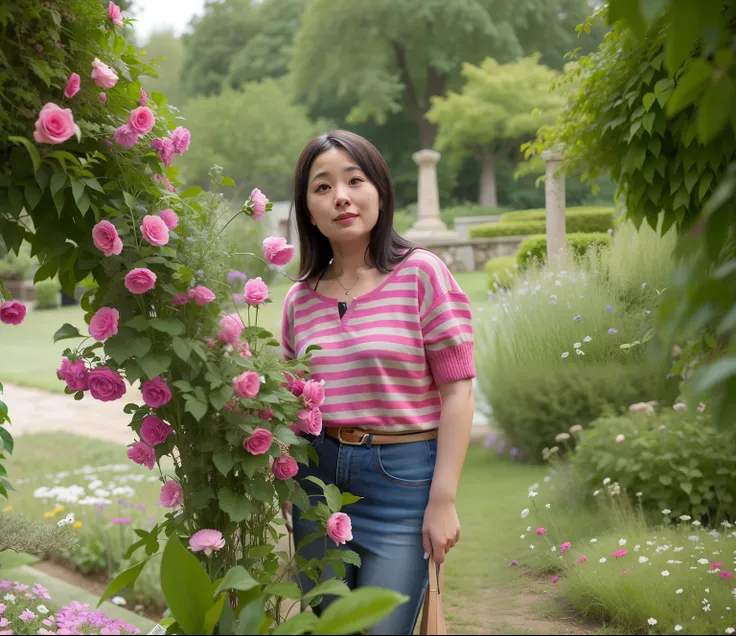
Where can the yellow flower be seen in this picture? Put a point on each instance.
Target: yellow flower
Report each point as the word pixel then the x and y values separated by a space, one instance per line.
pixel 7 508
pixel 59 509
pixel 49 515
pixel 77 525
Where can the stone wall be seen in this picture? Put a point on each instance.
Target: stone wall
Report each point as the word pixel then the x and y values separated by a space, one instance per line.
pixel 472 254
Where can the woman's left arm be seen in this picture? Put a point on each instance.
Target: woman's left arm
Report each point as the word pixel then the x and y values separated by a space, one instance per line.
pixel 441 529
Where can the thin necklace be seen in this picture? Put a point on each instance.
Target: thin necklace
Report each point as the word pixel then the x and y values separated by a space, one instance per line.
pixel 347 289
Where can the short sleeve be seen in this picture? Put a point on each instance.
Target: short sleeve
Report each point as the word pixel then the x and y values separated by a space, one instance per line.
pixel 447 325
pixel 287 327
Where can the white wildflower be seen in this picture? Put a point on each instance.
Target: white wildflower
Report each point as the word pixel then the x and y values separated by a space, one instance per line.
pixel 533 493
pixel 678 628
pixel 620 438
pixel 42 609
pixel 525 513
pixel 666 511
pixel 665 573
pixel 652 621
pixel 696 523
pixel 119 600
pixel 685 517
pixel 596 493
pixel 594 540
pixel 522 537
pixel 577 345
pixel 643 559
pixel 603 559
pixel 547 506
pixel 637 547
pixel 606 481
pixel 565 354
pixel 587 339
pixel 531 547
pixel 10 598
pixel 679 591
pixel 622 541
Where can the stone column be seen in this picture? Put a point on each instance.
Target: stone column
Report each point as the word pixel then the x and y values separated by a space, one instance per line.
pixel 554 196
pixel 429 225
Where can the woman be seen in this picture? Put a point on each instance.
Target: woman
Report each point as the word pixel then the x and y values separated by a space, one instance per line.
pixel 397 360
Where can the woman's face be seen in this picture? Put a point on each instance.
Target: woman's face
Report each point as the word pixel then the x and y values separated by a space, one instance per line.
pixel 342 202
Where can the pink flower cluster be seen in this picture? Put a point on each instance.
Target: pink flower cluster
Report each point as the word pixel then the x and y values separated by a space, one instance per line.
pixel 140 122
pixel 12 312
pixel 312 393
pixel 200 294
pixel 103 383
pixel 176 144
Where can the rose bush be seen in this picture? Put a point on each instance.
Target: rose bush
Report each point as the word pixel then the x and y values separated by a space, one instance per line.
pixel 94 192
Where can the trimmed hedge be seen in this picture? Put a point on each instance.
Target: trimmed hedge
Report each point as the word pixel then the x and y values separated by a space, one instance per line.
pixel 534 249
pixel 501 271
pixel 526 222
pixel 47 293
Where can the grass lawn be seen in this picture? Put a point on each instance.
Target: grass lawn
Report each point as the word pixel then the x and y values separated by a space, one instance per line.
pixel 30 357
pixel 484 595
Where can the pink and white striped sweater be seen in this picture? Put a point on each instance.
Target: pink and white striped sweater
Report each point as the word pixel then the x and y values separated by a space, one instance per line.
pixel 383 360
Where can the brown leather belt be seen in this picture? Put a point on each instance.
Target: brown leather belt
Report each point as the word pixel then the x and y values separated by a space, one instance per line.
pixel 360 436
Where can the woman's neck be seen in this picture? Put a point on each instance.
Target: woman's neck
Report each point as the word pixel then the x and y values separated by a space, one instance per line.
pixel 349 260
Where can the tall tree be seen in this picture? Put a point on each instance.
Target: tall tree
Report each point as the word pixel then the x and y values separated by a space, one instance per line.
pixel 255 134
pixel 500 106
pixel 167 52
pixel 401 53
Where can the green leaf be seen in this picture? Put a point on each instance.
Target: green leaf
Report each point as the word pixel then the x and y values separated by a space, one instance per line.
pixel 628 12
pixel 237 507
pixel 212 617
pixel 648 100
pixel 94 185
pixel 181 348
pixel 58 180
pixel 237 578
pixel 650 9
pixel 261 490
pixel 359 610
pixel 124 579
pixel 689 87
pixel 714 110
pixel 686 486
pixel 648 121
pixel 253 463
pixel 349 498
pixel 285 589
pixel 139 323
pixel 183 385
pixel 227 181
pixel 682 31
pixel 316 480
pixel 196 407
pixel 186 587
pixel 298 624
pixel 129 200
pixel 707 377
pixel 67 331
pixel 124 346
pixel 219 397
pixel 171 326
pixel 191 191
pixel 223 461
pixel 77 190
pixel 260 551
pixel 351 557
pixel 154 364
pixel 665 480
pixel 332 587
pixel 31 148
pixel 333 497
pixel 33 195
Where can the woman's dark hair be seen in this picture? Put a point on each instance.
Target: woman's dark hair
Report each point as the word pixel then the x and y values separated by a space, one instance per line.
pixel 386 248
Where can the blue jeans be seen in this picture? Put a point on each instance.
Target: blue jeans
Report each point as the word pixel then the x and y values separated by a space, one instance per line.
pixel 394 481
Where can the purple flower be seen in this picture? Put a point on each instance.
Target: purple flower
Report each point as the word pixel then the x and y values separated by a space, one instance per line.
pixel 236 275
pixel 609 309
pixel 577 318
pixel 501 446
pixel 490 440
pixel 121 521
pixel 515 452
pixel 612 332
pixel 514 563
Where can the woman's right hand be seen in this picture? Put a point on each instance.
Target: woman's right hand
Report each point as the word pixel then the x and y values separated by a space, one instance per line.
pixel 287 510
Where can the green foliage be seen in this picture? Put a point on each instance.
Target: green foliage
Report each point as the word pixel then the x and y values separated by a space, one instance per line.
pixel 501 271
pixel 165 51
pixel 255 134
pixel 677 460
pixel 576 221
pixel 534 249
pixel 20 534
pixel 541 214
pixel 47 294
pixel 15 266
pixel 6 447
pixel 449 214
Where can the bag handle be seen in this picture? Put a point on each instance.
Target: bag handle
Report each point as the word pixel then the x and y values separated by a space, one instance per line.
pixel 433 616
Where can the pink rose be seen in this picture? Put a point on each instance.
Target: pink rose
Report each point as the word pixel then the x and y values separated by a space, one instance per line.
pixel 207 541
pixel 181 138
pixel 103 75
pixel 75 374
pixel 171 495
pixel 72 86
pixel 55 125
pixel 142 454
pixel 179 299
pixel 144 98
pixel 296 387
pixel 313 394
pixel 201 295
pixel 154 430
pixel 276 251
pixel 265 414
pixel 12 312
pixel 165 150
pixel 140 280
pixel 309 421
pixel 115 15
pixel 256 291
pixel 102 97
pixel 106 239
pixel 154 230
pixel 284 467
pixel 244 350
pixel 141 120
pixel 259 204
pixel 340 528
pixel 169 217
pixel 156 392
pixel 232 327
pixel 104 323
pixel 259 442
pixel 126 136
pixel 247 384
pixel 105 384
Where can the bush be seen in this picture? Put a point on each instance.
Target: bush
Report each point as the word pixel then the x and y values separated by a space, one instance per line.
pixel 449 214
pixel 47 293
pixel 501 271
pixel 531 405
pixel 403 220
pixel 525 222
pixel 534 249
pixel 678 461
pixel 15 266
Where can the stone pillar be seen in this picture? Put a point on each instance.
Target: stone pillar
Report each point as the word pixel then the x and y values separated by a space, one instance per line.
pixel 554 196
pixel 428 225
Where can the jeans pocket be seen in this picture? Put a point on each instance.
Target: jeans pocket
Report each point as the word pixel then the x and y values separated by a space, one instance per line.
pixel 407 464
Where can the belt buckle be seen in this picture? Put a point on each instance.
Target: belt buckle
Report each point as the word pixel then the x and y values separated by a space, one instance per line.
pixel 342 441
